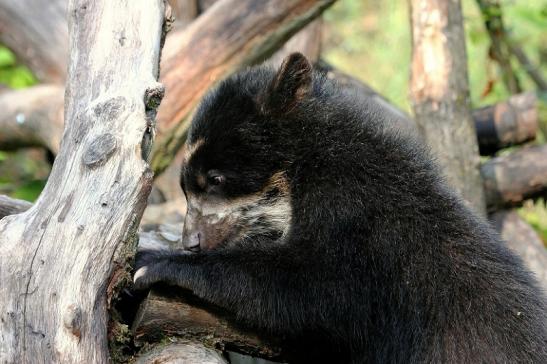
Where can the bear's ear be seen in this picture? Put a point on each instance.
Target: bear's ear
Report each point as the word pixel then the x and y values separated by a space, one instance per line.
pixel 291 84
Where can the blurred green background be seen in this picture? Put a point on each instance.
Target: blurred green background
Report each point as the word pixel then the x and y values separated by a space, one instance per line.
pixel 370 40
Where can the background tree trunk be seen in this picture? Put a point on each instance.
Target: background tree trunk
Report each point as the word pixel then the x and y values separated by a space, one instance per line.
pixel 57 258
pixel 439 94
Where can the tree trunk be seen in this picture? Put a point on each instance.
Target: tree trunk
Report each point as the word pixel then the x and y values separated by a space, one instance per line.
pixel 58 257
pixel 440 96
pixel 36 31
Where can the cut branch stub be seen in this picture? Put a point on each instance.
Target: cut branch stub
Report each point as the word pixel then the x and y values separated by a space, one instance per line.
pixel 510 179
pixel 57 257
pixel 514 121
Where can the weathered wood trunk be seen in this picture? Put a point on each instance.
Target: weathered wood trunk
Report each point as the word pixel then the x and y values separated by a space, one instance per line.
pixel 439 94
pixel 56 259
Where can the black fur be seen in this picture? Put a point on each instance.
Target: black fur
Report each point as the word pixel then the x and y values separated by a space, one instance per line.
pixel 382 262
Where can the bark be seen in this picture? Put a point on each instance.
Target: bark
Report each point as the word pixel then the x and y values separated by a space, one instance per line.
pixel 439 94
pixel 228 36
pixel 513 178
pixel 36 31
pixel 514 121
pixel 524 241
pixel 62 259
pixel 32 117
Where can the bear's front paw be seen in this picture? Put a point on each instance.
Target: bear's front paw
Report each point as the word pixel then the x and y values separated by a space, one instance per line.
pixel 148 268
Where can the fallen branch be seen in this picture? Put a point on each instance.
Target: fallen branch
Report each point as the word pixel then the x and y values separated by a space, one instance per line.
pixel 513 178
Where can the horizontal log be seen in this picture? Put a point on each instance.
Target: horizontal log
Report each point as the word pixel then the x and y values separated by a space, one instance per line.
pixel 513 178
pixel 507 123
pixel 32 117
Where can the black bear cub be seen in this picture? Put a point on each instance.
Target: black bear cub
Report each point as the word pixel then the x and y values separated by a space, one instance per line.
pixel 311 220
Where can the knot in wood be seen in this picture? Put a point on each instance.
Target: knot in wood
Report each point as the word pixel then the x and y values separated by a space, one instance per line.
pixel 153 96
pixel 110 109
pixel 100 150
pixel 72 319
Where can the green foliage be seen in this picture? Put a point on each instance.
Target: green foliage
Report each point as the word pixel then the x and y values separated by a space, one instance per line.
pixel 12 74
pixel 371 40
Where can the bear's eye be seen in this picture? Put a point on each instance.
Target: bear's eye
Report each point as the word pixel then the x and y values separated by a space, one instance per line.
pixel 215 178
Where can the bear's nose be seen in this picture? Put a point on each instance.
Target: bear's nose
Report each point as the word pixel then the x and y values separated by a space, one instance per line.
pixel 192 241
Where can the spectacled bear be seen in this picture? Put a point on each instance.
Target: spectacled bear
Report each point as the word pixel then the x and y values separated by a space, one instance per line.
pixel 310 219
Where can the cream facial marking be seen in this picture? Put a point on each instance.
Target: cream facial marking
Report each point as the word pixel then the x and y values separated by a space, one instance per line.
pixel 189 149
pixel 237 219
